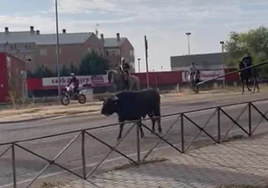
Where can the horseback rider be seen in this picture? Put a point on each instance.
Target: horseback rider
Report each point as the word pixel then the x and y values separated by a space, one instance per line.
pixel 245 63
pixel 247 60
pixel 125 70
pixel 75 83
pixel 193 71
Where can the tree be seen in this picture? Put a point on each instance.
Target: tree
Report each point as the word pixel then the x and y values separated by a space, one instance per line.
pixel 74 69
pixel 93 64
pixel 41 72
pixel 255 42
pixel 64 71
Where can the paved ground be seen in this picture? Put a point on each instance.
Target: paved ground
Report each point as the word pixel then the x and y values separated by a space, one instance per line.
pixel 28 166
pixel 242 162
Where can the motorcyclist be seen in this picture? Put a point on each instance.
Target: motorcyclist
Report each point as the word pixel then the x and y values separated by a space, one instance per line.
pixel 75 83
pixel 125 70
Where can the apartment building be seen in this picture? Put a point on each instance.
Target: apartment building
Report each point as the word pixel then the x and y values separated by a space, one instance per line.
pixel 38 49
pixel 207 61
pixel 118 47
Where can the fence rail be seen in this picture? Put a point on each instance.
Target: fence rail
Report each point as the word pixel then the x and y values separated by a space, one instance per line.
pixel 181 146
pixel 233 72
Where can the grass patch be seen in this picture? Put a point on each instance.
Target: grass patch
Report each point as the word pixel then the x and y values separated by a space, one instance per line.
pixel 242 186
pixel 130 165
pixel 233 138
pixel 51 185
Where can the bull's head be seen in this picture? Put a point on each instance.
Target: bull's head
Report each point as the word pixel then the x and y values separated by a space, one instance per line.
pixel 109 106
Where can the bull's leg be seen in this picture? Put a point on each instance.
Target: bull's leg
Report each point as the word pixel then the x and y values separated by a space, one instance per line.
pixel 141 130
pixel 158 119
pixel 153 122
pixel 120 131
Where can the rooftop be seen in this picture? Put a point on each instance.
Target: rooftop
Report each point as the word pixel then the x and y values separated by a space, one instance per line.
pixel 113 42
pixel 43 39
pixel 34 36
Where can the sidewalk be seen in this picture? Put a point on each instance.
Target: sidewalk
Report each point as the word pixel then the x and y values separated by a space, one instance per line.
pixel 242 162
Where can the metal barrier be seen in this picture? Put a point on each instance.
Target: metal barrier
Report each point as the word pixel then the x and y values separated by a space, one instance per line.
pixel 180 118
pixel 233 72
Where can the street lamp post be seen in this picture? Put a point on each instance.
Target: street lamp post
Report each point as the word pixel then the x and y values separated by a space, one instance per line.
pixel 139 68
pixel 57 47
pixel 188 37
pixel 222 58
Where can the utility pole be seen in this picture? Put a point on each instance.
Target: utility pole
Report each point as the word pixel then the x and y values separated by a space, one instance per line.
pixel 139 68
pixel 58 48
pixel 222 57
pixel 146 60
pixel 189 47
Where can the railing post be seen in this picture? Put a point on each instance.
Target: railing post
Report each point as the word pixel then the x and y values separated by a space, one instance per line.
pixel 14 166
pixel 219 123
pixel 83 154
pixel 138 142
pixel 182 134
pixel 249 120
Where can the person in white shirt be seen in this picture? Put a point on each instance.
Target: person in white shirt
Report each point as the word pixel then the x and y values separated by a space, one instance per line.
pixel 193 70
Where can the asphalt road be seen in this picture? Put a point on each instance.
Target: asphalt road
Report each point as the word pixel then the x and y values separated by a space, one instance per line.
pixel 28 165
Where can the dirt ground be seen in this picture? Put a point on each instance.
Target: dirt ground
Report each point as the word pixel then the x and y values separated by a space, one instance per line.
pixel 32 112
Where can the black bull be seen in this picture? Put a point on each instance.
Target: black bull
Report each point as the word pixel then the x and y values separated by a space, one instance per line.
pixel 133 106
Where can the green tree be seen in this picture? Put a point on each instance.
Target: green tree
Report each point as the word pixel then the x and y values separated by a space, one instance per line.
pixel 74 69
pixel 30 74
pixel 64 71
pixel 255 42
pixel 41 72
pixel 93 64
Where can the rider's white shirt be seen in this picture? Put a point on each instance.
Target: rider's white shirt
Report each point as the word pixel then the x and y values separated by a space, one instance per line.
pixel 192 69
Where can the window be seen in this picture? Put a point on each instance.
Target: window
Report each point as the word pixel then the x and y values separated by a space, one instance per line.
pixel 131 52
pixel 27 46
pixel 28 58
pixel 11 46
pixel 43 51
pixel 59 50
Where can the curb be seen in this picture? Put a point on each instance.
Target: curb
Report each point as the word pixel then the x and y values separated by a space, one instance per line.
pixel 26 120
pixel 49 117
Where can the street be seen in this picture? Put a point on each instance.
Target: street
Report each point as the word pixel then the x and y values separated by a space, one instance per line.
pixel 28 166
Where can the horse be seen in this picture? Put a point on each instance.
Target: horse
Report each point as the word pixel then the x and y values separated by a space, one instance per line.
pixel 246 76
pixel 133 81
pixel 194 81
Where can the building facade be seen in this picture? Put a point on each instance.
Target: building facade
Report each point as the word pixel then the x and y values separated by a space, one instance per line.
pixel 211 61
pixel 12 78
pixel 38 49
pixel 118 47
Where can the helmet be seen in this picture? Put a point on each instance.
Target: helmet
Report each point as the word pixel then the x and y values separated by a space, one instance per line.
pixel 72 74
pixel 122 59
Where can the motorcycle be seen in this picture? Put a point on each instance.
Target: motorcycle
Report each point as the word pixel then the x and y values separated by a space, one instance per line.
pixel 68 95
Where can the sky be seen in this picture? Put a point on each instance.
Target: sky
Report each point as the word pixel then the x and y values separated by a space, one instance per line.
pixel 164 22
